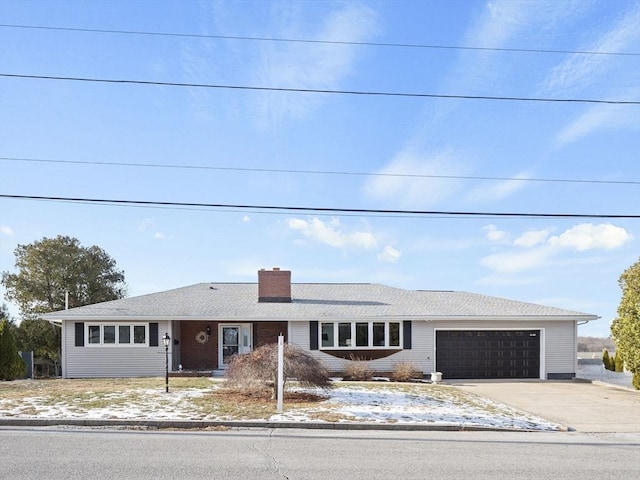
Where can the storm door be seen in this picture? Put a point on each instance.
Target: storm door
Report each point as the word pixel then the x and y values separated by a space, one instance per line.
pixel 233 340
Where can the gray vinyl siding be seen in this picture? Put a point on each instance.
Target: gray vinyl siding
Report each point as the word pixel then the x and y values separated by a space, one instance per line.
pixel 112 361
pixel 560 348
pixel 558 344
pixel 419 353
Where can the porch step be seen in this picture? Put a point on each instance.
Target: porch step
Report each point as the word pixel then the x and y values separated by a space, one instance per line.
pixel 198 373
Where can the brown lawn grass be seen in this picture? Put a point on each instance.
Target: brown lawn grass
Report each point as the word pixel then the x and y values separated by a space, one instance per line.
pixel 212 400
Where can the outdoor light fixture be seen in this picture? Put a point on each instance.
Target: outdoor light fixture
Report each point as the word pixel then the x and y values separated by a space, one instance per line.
pixel 165 340
pixel 208 329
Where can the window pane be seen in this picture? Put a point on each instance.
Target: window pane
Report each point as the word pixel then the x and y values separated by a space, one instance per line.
pixel 139 334
pixel 124 334
pixel 94 333
pixel 378 334
pixel 230 335
pixel 327 334
pixel 344 334
pixel 394 334
pixel 362 334
pixel 109 334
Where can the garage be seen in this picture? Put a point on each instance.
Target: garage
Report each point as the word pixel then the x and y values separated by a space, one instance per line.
pixel 476 354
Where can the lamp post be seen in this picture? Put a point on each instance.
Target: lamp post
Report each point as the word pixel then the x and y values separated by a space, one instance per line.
pixel 165 340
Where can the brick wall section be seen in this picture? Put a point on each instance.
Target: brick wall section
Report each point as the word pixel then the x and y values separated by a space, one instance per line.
pixel 198 356
pixel 267 332
pixel 274 286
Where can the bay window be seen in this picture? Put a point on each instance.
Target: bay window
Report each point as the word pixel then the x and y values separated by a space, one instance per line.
pixel 360 335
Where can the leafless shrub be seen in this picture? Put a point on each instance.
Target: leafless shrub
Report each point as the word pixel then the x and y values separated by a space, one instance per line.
pixel 405 372
pixel 256 372
pixel 358 370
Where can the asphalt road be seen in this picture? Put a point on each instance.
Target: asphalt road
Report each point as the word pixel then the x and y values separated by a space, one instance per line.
pixel 31 453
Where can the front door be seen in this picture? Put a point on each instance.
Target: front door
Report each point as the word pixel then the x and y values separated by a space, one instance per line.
pixel 233 340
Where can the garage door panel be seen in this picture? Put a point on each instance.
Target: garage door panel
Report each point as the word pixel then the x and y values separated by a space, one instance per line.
pixel 488 353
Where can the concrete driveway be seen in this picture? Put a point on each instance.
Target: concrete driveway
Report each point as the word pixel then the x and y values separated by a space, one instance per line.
pixel 578 405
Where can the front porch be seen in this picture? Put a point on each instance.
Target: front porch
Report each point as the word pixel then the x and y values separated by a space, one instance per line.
pixel 203 348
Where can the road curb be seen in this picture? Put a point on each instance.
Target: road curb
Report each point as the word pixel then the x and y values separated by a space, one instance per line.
pixel 613 385
pixel 204 424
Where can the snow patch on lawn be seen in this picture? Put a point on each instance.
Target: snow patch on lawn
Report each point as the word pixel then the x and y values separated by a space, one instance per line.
pixel 384 403
pixel 126 405
pixel 410 407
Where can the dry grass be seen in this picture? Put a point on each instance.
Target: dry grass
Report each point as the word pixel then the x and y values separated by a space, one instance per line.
pixel 78 387
pixel 358 369
pixel 405 372
pixel 78 395
pixel 204 398
pixel 240 405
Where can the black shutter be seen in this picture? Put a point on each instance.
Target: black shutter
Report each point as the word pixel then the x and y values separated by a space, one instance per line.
pixel 153 334
pixel 406 334
pixel 79 334
pixel 313 335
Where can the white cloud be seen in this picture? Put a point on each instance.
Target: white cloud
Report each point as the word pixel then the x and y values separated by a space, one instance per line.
pixel 582 73
pixel 517 261
pixel 532 238
pixel 4 230
pixel 498 190
pixel 411 190
pixel 494 234
pixel 332 234
pixel 579 71
pixel 599 117
pixel 389 254
pixel 503 23
pixel 246 219
pixel 312 66
pixel 537 249
pixel 589 237
pixel 159 236
pixel 509 280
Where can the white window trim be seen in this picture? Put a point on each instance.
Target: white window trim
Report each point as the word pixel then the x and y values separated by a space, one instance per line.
pixel 370 346
pixel 117 339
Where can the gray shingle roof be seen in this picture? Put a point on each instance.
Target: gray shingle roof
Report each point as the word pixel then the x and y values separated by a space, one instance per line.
pixel 239 301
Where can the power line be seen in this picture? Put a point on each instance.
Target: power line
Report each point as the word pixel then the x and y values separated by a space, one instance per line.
pixel 319 172
pixel 323 42
pixel 273 208
pixel 315 90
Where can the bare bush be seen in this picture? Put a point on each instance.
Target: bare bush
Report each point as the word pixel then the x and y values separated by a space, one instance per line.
pixel 256 372
pixel 358 370
pixel 405 372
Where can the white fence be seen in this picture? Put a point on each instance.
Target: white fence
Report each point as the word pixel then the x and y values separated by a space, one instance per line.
pixel 598 372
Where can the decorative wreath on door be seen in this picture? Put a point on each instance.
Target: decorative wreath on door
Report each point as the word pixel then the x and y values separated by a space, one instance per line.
pixel 202 337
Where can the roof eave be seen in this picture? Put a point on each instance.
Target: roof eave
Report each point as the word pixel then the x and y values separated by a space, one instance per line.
pixel 245 319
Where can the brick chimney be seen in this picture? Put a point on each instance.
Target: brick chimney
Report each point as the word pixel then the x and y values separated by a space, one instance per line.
pixel 274 286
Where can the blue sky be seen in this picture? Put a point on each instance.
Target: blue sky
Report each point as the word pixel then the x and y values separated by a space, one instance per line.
pixel 247 143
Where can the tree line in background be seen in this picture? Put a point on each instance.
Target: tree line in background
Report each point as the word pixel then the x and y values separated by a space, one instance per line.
pixel 595 344
pixel 54 273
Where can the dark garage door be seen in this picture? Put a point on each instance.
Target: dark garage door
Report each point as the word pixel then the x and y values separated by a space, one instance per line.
pixel 488 353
